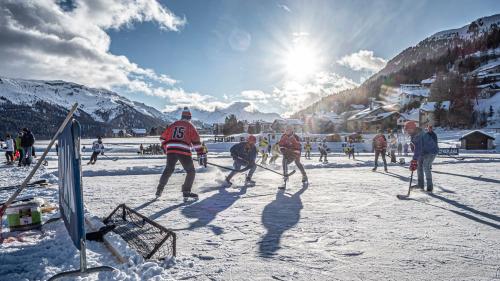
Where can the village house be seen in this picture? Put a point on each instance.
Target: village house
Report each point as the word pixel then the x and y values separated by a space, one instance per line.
pixel 118 133
pixel 427 112
pixel 411 93
pixel 279 125
pixel 374 118
pixel 477 140
pixel 138 132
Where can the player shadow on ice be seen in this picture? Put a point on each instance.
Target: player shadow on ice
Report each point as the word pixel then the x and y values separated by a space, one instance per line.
pixel 472 161
pixel 469 177
pixel 144 205
pixel 465 208
pixel 279 216
pixel 206 210
pixel 163 211
pixel 134 171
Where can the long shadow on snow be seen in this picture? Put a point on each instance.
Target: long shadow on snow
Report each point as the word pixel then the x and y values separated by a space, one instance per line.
pixel 206 210
pixel 407 179
pixel 469 177
pixel 466 208
pixel 279 216
pixel 166 210
pixel 134 171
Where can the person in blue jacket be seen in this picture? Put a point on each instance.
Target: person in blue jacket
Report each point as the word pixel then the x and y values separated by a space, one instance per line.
pixel 426 149
pixel 244 154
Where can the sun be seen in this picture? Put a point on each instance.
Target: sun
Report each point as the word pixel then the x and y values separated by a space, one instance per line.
pixel 301 61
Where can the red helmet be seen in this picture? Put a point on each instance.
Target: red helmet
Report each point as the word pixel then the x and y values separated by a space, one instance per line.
pixel 410 125
pixel 252 139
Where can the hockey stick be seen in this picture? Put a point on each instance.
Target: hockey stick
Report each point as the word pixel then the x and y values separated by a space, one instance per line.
pixel 112 159
pixel 271 170
pixel 227 168
pixel 407 196
pixel 39 182
pixel 37 165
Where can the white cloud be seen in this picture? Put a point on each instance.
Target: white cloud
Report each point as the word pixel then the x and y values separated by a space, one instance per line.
pixel 180 98
pixel 285 8
pixel 293 95
pixel 256 95
pixel 39 40
pixel 363 60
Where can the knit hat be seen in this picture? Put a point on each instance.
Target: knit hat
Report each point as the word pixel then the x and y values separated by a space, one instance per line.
pixel 410 125
pixel 186 114
pixel 252 139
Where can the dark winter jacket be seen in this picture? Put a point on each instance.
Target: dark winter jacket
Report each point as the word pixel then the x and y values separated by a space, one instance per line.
pixel 241 150
pixel 433 135
pixel 424 144
pixel 27 139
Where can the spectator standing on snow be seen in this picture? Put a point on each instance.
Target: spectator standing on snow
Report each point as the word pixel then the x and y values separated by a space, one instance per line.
pixel 394 147
pixel 431 132
pixel 27 141
pixel 141 149
pixel 244 154
pixel 400 148
pixel 19 147
pixel 380 147
pixel 350 149
pixel 97 148
pixel 425 152
pixel 323 151
pixel 9 149
pixel 177 141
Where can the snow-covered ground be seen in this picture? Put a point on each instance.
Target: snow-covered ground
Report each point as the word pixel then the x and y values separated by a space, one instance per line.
pixel 347 225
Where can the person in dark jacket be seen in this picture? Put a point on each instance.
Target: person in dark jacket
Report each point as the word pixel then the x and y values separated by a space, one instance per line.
pixel 19 148
pixel 244 154
pixel 27 141
pixel 425 151
pixel 431 132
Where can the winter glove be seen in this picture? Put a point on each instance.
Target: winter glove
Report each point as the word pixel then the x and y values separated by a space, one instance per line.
pixel 413 165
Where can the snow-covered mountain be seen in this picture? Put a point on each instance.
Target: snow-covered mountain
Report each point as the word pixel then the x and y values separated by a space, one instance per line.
pixel 102 105
pixel 35 103
pixel 439 43
pixel 242 111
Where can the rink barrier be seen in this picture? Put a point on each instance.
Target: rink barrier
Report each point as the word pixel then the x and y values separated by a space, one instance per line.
pixel 150 239
pixel 448 151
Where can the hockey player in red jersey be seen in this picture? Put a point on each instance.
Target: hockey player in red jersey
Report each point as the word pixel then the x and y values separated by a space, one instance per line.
pixel 177 141
pixel 290 148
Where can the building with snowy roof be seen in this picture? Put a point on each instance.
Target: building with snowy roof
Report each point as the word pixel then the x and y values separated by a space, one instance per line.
pixel 139 132
pixel 279 125
pixel 428 112
pixel 428 82
pixel 410 93
pixel 477 140
pixel 372 119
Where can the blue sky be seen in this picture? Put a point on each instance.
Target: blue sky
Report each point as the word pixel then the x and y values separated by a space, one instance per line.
pixel 208 53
